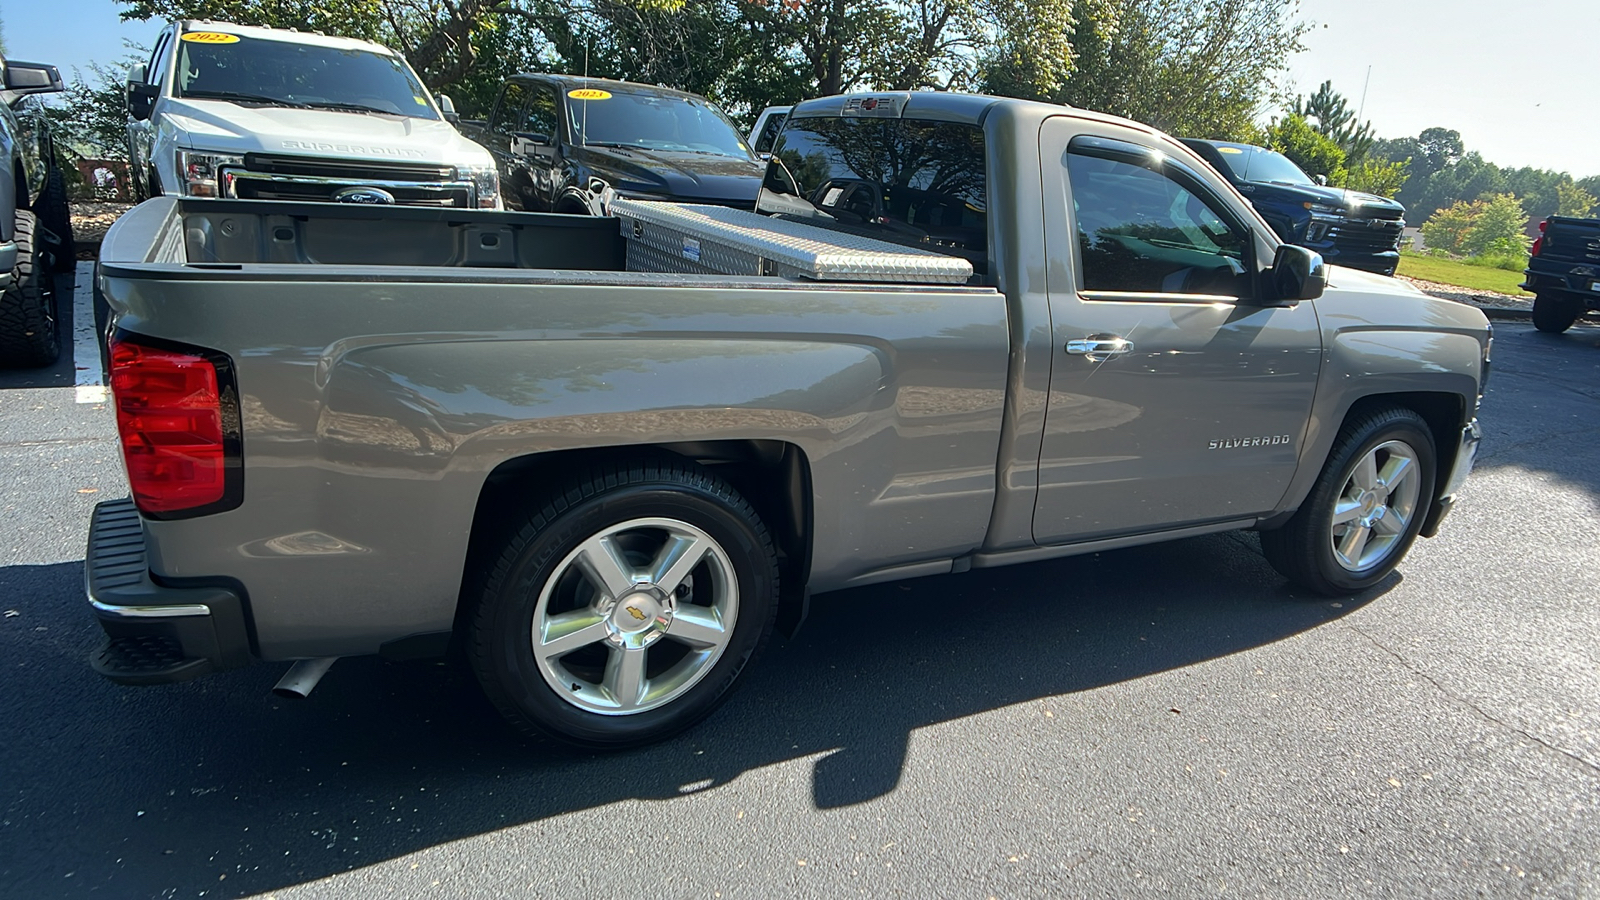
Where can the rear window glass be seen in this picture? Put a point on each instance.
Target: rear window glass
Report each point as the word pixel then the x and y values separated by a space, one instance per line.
pixel 901 180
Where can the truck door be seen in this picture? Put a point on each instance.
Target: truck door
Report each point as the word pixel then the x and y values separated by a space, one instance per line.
pixel 1177 396
pixel 513 146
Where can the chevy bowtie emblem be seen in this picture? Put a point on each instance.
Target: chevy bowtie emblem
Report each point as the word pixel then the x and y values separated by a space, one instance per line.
pixel 633 611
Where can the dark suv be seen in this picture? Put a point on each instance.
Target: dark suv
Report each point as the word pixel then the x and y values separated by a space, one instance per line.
pixel 1348 228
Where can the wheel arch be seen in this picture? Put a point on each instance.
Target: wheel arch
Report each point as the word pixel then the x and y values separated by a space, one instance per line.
pixel 774 476
pixel 1445 413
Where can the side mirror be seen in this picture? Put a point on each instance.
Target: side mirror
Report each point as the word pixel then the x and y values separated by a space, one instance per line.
pixel 32 78
pixel 1298 274
pixel 141 95
pixel 1320 179
pixel 447 108
pixel 530 143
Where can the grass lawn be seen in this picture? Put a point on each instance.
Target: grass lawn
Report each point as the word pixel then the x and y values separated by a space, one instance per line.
pixel 1448 271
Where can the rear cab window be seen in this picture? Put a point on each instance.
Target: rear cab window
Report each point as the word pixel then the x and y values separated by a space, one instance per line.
pixel 906 181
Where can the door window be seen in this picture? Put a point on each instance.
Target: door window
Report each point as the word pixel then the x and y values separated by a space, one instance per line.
pixel 158 60
pixel 541 114
pixel 1142 232
pixel 509 111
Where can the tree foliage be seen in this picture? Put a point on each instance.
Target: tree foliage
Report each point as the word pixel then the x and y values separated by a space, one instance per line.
pixel 1194 68
pixel 1329 113
pixel 1376 176
pixel 1495 225
pixel 1314 152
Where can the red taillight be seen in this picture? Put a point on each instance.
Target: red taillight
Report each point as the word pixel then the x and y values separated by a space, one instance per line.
pixel 1538 242
pixel 175 437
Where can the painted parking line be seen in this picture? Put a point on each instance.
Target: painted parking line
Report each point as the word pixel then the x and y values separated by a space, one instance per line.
pixel 85 345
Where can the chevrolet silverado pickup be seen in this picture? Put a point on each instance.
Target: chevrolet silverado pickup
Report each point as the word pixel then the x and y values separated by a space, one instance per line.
pixel 228 111
pixel 1348 228
pixel 603 459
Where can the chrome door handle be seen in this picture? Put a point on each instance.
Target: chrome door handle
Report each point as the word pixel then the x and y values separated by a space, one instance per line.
pixel 1100 347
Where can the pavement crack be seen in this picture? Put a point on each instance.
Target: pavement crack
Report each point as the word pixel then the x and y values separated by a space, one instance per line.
pixel 1588 766
pixel 57 442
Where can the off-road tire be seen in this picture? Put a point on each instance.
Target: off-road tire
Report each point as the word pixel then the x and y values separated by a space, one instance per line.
pixel 1303 549
pixel 540 551
pixel 27 307
pixel 1554 313
pixel 55 216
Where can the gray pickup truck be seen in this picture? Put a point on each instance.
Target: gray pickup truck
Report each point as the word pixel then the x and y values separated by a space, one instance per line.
pixel 406 431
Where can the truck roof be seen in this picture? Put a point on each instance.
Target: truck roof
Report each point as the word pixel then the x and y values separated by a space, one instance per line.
pixel 952 106
pixel 309 38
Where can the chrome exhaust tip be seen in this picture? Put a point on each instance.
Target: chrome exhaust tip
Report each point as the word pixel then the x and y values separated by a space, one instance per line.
pixel 302 677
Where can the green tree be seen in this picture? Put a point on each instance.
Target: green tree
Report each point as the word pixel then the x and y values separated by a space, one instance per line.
pixel 1572 200
pixel 1195 68
pixel 1315 153
pixel 1329 113
pixel 1377 176
pixel 1499 227
pixel 1447 229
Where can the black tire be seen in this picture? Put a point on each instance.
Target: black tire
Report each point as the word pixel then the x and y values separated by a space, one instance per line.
pixel 55 216
pixel 1304 550
pixel 544 564
pixel 1554 313
pixel 27 307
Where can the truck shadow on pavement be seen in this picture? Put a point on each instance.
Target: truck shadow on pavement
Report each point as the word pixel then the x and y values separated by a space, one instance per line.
pixel 214 786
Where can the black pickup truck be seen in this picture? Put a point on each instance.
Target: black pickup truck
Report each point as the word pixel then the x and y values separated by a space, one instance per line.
pixel 1564 272
pixel 35 224
pixel 568 144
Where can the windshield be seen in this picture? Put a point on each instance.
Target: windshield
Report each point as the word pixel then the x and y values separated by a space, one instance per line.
pixel 1260 164
pixel 277 73
pixel 907 181
pixel 652 122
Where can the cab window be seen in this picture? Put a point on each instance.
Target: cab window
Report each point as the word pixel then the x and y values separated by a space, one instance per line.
pixel 1141 231
pixel 508 112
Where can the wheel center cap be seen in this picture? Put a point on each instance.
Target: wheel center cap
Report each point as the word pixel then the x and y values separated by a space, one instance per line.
pixel 1370 501
pixel 635 612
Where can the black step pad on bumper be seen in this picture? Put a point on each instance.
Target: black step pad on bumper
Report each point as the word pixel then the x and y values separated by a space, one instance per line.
pixel 155 633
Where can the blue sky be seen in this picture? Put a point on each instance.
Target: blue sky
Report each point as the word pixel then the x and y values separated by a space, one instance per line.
pixel 1518 86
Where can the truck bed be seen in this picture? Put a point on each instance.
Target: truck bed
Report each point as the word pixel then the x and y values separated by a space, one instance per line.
pixel 392 363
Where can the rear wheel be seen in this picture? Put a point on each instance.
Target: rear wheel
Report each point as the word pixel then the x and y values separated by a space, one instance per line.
pixel 1555 313
pixel 626 607
pixel 1366 508
pixel 27 306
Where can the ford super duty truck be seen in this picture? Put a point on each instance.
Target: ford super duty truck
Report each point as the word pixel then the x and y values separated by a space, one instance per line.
pixel 228 111
pixel 604 457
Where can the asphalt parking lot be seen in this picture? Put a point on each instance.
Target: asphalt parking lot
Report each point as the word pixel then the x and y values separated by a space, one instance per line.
pixel 1163 721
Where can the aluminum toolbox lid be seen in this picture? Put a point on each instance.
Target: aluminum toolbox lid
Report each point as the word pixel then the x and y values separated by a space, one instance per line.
pixel 816 252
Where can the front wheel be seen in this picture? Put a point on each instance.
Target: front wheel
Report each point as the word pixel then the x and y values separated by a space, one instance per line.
pixel 1553 313
pixel 625 608
pixel 1365 509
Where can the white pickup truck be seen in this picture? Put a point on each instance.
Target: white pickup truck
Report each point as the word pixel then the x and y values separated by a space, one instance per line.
pixel 229 111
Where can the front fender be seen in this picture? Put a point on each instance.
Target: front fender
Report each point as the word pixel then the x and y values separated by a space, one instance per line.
pixel 1423 347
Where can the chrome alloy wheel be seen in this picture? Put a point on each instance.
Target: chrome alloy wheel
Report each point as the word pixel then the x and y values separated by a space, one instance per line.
pixel 635 616
pixel 1376 506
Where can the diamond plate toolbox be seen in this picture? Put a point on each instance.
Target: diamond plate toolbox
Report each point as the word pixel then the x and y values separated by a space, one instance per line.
pixel 717 240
